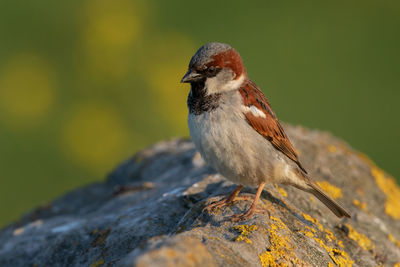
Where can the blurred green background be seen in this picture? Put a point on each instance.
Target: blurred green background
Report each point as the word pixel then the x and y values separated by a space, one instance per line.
pixel 85 84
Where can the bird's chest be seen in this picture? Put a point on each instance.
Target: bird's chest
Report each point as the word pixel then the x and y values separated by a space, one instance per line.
pixel 210 131
pixel 212 120
pixel 219 136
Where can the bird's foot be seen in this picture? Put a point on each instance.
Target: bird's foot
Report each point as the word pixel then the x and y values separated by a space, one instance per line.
pixel 247 215
pixel 225 202
pixel 217 205
pixel 244 198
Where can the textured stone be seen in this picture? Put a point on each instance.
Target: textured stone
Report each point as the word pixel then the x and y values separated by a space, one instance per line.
pixel 148 212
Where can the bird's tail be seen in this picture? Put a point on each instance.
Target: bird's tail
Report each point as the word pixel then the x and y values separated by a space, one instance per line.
pixel 329 202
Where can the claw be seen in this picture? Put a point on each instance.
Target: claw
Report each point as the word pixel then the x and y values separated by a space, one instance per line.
pixel 217 205
pixel 247 215
pixel 253 208
pixel 244 216
pixel 225 201
pixel 233 196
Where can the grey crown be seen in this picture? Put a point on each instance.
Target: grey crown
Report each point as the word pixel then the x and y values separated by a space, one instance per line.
pixel 205 53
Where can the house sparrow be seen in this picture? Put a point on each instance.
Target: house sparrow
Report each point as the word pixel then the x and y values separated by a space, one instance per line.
pixel 235 130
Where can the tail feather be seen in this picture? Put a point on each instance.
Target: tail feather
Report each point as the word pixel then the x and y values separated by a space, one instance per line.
pixel 329 202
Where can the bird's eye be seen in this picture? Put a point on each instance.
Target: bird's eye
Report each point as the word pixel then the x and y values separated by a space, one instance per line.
pixel 212 71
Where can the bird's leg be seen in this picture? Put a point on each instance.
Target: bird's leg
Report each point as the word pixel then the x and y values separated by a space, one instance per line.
pixel 225 201
pixel 250 212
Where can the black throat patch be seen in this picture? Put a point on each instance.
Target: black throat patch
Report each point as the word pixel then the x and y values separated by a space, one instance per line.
pixel 199 102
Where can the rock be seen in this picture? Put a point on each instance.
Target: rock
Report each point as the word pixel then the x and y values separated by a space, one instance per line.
pixel 149 213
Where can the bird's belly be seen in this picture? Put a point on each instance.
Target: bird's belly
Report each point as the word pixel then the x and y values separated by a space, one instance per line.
pixel 232 147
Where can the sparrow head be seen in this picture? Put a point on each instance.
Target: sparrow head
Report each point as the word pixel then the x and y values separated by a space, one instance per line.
pixel 218 66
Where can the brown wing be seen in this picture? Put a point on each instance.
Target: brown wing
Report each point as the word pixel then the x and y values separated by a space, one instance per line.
pixel 268 125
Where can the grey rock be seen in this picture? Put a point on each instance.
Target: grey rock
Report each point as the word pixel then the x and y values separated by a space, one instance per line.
pixel 148 212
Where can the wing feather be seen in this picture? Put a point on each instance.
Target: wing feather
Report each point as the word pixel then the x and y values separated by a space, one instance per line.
pixel 268 126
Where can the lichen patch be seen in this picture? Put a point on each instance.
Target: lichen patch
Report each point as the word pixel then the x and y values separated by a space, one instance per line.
pixel 280 253
pixel 361 205
pixel 281 191
pixel 362 240
pixel 245 231
pixel 332 149
pixel 391 190
pixel 313 220
pixel 394 240
pixel 333 191
pixel 101 237
pixel 97 263
pixel 331 245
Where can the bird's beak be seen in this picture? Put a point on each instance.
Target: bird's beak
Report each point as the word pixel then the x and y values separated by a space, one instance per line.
pixel 190 76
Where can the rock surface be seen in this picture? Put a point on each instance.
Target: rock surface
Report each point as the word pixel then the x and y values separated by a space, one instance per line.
pixel 149 213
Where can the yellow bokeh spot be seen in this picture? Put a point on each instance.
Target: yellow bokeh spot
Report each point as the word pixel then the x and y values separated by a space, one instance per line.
pixel 27 90
pixel 333 191
pixel 95 137
pixel 170 96
pixel 112 27
pixel 165 67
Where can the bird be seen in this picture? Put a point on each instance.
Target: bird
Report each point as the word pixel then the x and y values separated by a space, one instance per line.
pixel 236 131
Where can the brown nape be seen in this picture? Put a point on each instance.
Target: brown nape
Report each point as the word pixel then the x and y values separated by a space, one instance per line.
pixel 229 59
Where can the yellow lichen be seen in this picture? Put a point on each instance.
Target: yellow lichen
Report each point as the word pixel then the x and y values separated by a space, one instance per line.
pixel 391 190
pixel 311 229
pixel 366 159
pixel 361 239
pixel 171 253
pixel 339 257
pixel 387 186
pixel 329 236
pixel 333 191
pixel 101 237
pixel 313 220
pixel 332 148
pixel 211 237
pixel 361 205
pixel 281 191
pixel 245 231
pixel 394 240
pixel 280 253
pixel 97 263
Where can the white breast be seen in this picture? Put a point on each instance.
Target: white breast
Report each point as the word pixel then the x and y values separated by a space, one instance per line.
pixel 228 143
